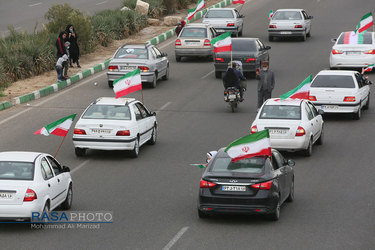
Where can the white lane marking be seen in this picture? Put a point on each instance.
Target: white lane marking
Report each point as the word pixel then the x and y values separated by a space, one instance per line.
pixel 166 45
pixel 176 238
pixel 101 3
pixel 79 166
pixel 165 105
pixel 209 73
pixel 35 4
pixel 57 94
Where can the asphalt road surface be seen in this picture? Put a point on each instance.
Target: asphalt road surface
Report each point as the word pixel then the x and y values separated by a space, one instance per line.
pixel 154 197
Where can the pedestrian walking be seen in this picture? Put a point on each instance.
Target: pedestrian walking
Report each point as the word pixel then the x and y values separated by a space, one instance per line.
pixel 266 83
pixel 60 66
pixel 72 38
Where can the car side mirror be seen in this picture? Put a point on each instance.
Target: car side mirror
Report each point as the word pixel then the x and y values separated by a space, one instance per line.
pixel 321 111
pixel 164 54
pixel 66 169
pixel 242 16
pixel 310 17
pixel 333 40
pixel 291 163
pixel 268 47
pixel 153 113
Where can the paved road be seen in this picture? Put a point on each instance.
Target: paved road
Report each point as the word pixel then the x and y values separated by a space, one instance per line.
pixel 154 197
pixel 24 15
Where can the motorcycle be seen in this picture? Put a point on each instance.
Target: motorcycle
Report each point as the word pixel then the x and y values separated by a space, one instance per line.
pixel 232 96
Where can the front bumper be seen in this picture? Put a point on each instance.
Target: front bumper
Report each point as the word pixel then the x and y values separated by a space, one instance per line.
pixel 103 143
pixel 193 52
pixel 286 33
pixel 145 76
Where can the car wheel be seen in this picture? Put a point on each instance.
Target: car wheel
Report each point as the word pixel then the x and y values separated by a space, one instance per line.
pixel 110 84
pixel 270 38
pixel 367 106
pixel 45 211
pixel 240 33
pixel 217 74
pixel 303 38
pixel 154 134
pixel 178 58
pixel 308 151
pixel 135 152
pixel 67 204
pixel 202 215
pixel 154 80
pixel 80 152
pixel 291 192
pixel 166 76
pixel 275 216
pixel 358 114
pixel 321 137
pixel 309 34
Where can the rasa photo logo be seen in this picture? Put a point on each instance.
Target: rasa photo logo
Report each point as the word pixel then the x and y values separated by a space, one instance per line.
pixel 71 219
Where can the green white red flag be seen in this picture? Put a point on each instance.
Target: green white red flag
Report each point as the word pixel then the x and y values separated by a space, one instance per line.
pixel 351 37
pixel 257 144
pixel 302 91
pixel 366 22
pixel 369 67
pixel 60 127
pixel 222 43
pixel 191 12
pixel 238 1
pixel 128 83
pixel 270 14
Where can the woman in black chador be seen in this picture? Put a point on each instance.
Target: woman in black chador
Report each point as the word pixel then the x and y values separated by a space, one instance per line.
pixel 73 49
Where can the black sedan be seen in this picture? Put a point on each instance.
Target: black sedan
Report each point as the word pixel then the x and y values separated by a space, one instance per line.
pixel 250 51
pixel 256 185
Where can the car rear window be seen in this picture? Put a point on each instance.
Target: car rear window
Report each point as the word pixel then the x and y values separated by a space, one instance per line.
pixel 333 81
pixel 110 112
pixel 12 170
pixel 194 32
pixel 351 38
pixel 287 15
pixel 254 165
pixel 134 53
pixel 286 112
pixel 243 45
pixel 219 14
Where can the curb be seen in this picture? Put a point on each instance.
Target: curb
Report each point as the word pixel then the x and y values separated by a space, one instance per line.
pixel 100 67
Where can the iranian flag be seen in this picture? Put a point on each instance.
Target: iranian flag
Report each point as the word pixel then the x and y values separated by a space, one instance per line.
pixel 301 92
pixel 59 127
pixel 369 67
pixel 128 83
pixel 238 1
pixel 366 22
pixel 249 146
pixel 270 14
pixel 222 43
pixel 191 12
pixel 351 37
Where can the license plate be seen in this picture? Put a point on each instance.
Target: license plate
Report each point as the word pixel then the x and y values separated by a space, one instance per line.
pixel 278 131
pixel 353 53
pixel 220 30
pixel 329 107
pixel 285 32
pixel 100 131
pixel 6 196
pixel 234 188
pixel 128 67
pixel 192 43
pixel 232 96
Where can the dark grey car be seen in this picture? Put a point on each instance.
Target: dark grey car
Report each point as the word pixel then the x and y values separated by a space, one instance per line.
pixel 250 51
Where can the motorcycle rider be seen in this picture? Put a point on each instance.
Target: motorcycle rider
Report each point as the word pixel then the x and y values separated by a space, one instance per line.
pixel 232 78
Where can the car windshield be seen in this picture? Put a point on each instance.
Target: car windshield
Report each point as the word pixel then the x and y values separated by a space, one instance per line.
pixel 243 45
pixel 333 81
pixel 219 14
pixel 110 112
pixel 12 170
pixel 194 32
pixel 287 112
pixel 254 165
pixel 287 15
pixel 135 53
pixel 350 38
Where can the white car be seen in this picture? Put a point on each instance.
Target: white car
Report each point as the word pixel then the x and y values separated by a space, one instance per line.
pixel 224 20
pixel 293 124
pixel 339 91
pixel 115 124
pixel 32 182
pixel 289 23
pixel 353 51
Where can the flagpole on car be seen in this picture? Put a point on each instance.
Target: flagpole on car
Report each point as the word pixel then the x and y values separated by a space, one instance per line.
pixel 142 96
pixel 59 147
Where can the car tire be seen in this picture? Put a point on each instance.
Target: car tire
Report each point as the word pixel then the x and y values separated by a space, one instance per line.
pixel 178 58
pixel 275 216
pixel 80 152
pixel 321 137
pixel 135 151
pixel 110 84
pixel 303 38
pixel 154 135
pixel 166 76
pixel 67 204
pixel 45 211
pixel 218 74
pixel 291 192
pixel 154 80
pixel 202 215
pixel 367 106
pixel 308 151
pixel 309 34
pixel 240 33
pixel 357 115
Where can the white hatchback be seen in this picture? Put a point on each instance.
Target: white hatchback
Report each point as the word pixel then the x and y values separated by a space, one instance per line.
pixel 293 124
pixel 339 91
pixel 32 182
pixel 115 124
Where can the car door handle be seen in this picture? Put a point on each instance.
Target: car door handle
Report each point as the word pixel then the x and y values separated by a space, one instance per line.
pixel 49 185
pixel 58 180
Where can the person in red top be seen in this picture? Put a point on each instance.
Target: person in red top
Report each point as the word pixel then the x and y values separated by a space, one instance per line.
pixel 60 44
pixel 179 27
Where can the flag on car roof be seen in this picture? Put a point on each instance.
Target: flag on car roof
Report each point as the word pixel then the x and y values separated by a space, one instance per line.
pixel 127 84
pixel 222 43
pixel 369 67
pixel 257 144
pixel 60 127
pixel 191 12
pixel 351 37
pixel 238 1
pixel 366 22
pixel 302 91
pixel 270 14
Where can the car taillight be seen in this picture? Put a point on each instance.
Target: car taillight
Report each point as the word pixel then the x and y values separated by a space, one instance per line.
pixel 254 129
pixel 349 99
pixel 206 184
pixel 335 51
pixel 219 59
pixel 207 43
pixel 123 133
pixel 143 68
pixel 272 26
pixel 178 42
pixel 312 98
pixel 298 26
pixel 30 195
pixel 300 131
pixel 78 131
pixel 264 185
pixel 113 68
pixel 250 60
pixel 230 24
pixel 371 52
